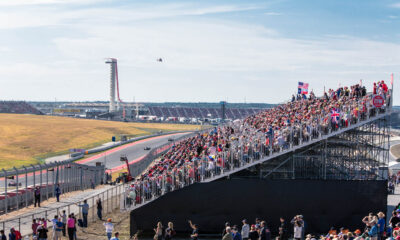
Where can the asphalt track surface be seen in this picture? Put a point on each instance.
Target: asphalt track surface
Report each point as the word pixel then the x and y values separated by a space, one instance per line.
pixel 111 158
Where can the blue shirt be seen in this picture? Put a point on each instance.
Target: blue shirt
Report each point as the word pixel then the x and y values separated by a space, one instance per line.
pixel 85 208
pixel 381 223
pixel 373 232
pixel 237 236
pixel 59 226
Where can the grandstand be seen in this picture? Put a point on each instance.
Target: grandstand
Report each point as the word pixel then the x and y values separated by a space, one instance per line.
pixel 320 156
pixel 196 112
pixel 20 107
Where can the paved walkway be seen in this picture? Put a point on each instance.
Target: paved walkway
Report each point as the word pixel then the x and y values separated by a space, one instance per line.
pixel 393 200
pixel 23 220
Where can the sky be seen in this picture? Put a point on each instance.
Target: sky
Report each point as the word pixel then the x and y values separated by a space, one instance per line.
pixel 236 51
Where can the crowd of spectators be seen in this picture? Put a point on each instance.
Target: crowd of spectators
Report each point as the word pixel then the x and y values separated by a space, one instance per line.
pixel 375 228
pixel 236 143
pixel 18 107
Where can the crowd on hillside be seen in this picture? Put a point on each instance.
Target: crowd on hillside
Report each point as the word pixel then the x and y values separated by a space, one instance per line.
pixel 17 107
pixel 236 143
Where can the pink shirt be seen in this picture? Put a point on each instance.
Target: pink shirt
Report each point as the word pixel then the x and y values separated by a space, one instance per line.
pixel 71 223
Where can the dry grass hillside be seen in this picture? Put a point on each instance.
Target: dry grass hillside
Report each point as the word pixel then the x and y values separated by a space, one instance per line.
pixel 26 139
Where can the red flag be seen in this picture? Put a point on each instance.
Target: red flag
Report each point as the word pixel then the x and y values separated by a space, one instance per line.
pixel 391 79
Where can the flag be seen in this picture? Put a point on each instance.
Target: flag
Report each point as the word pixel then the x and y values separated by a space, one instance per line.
pixel 335 115
pixel 303 88
pixel 391 79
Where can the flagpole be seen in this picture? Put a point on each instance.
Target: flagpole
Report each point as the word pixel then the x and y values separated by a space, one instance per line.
pixel 391 93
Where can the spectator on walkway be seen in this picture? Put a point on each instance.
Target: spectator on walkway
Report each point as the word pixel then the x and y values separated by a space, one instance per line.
pixel 298 225
pixel 58 229
pixel 64 221
pixel 265 233
pixel 35 225
pixel 42 232
pixel 116 236
pixel 11 235
pixel 228 234
pixel 2 235
pixel 253 234
pixel 75 222
pixel 54 222
pixel 373 233
pixel 109 228
pixel 394 219
pixel 37 196
pixel 283 231
pixel 158 231
pixel 195 232
pixel 236 234
pixel 99 209
pixel 381 225
pixel 298 230
pixel 85 212
pixel 71 227
pixel 245 230
pixel 58 192
pixel 170 232
pixel 227 224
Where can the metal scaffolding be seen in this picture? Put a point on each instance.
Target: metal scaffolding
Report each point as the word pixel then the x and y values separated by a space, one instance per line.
pixel 358 154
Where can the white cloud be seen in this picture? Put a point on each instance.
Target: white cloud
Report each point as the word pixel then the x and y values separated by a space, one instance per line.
pixel 18 3
pixel 273 14
pixel 395 5
pixel 205 59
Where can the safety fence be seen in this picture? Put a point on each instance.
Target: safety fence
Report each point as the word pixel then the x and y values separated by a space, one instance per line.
pixel 247 149
pixel 43 180
pixel 110 198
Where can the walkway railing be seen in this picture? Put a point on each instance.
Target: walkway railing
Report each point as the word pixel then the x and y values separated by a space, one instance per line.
pixel 110 198
pixel 242 155
pixel 18 191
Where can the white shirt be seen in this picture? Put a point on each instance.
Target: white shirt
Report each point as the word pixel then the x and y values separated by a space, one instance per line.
pixel 245 231
pixel 109 227
pixel 54 221
pixel 298 232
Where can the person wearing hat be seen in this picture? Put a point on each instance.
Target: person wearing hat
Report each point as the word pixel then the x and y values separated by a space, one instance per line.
pixel 236 234
pixel 253 234
pixel 381 225
pixel 109 228
pixel 228 234
pixel 245 230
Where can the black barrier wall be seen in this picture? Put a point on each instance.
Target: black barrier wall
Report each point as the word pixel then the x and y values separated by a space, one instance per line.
pixel 322 203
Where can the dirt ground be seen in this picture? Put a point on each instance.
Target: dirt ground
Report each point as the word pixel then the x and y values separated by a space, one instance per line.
pixel 96 230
